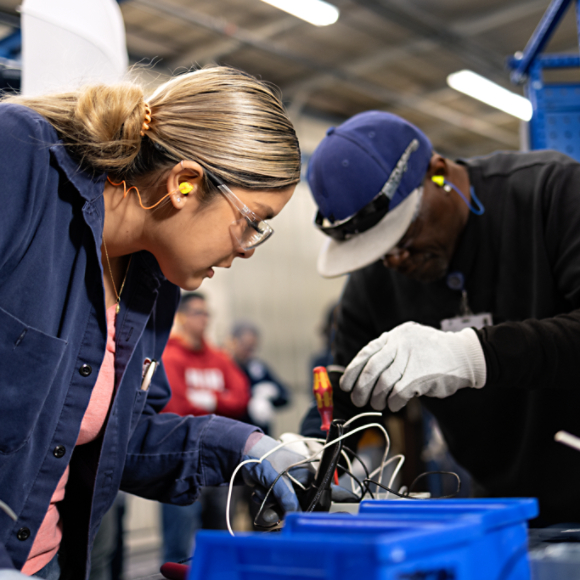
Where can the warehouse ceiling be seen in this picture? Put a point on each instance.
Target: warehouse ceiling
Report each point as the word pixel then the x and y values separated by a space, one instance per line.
pixel 392 55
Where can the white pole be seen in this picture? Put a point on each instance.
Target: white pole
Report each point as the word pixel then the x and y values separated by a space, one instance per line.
pixel 67 43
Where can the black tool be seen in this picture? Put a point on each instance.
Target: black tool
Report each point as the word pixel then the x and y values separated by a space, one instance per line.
pixel 267 515
pixel 318 496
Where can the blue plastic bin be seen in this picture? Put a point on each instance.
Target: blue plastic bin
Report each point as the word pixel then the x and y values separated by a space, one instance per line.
pixel 403 552
pixel 500 551
pixel 387 540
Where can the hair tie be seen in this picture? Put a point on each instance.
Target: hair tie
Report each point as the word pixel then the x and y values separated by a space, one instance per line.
pixel 147 120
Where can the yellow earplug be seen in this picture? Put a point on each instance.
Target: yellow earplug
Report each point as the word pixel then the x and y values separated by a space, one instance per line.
pixel 185 187
pixel 439 180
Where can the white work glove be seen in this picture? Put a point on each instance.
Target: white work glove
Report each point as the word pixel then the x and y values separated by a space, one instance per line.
pixel 414 360
pixel 303 445
pixel 8 574
pixel 265 390
pixel 260 408
pixel 202 399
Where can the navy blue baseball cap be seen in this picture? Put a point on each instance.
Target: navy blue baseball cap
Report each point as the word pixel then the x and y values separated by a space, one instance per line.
pixel 366 177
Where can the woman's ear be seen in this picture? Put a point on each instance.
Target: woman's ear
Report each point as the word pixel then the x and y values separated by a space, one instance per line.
pixel 184 182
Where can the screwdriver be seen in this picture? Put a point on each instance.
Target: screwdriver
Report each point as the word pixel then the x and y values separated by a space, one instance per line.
pixel 323 394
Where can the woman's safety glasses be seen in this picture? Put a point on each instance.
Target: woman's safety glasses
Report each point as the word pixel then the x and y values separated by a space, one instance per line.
pixel 249 231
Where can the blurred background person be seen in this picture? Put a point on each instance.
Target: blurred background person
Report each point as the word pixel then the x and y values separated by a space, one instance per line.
pixel 203 380
pixel 267 392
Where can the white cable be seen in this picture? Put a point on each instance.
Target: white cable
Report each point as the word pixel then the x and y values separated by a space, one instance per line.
pixel 568 439
pixel 293 479
pixel 395 472
pixel 266 455
pixel 344 454
pixel 240 465
pixel 398 456
pixel 370 414
pixel 228 503
pixel 382 467
pixel 347 458
pixel 387 447
pixel 387 438
pixel 348 464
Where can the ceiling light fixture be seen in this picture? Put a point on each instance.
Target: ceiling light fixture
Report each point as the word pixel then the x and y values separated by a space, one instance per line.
pixel 478 87
pixel 316 12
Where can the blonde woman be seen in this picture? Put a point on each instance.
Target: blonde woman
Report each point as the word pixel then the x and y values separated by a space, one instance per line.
pixel 111 201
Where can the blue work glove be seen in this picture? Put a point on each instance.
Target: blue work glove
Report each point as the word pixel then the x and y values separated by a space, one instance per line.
pixel 264 474
pixel 311 448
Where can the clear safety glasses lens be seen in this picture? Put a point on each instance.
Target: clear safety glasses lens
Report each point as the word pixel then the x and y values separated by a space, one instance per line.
pixel 249 234
pixel 249 231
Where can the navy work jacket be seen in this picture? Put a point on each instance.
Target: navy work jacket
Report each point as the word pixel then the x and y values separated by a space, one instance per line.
pixel 52 343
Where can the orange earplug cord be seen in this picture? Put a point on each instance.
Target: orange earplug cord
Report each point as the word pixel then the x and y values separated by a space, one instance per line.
pixel 185 188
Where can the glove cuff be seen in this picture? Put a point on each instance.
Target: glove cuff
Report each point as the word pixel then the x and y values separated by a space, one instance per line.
pixel 474 354
pixel 252 440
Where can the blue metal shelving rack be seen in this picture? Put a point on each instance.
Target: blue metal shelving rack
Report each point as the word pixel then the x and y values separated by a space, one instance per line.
pixel 555 123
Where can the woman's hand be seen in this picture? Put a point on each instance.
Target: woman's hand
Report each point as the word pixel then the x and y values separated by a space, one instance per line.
pixel 264 474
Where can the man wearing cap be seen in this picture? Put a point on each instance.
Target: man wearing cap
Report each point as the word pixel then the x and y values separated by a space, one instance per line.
pixel 464 290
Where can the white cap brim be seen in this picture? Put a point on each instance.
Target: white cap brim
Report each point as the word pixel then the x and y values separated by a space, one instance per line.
pixel 338 258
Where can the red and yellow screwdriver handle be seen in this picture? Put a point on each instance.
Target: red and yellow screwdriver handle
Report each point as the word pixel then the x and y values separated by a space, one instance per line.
pixel 323 395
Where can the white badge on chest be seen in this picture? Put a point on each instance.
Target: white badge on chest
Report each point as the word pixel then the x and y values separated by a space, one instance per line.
pixel 466 319
pixel 471 321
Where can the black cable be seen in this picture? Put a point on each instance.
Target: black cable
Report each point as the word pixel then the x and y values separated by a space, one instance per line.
pixel 270 489
pixel 356 456
pixel 407 496
pixel 329 473
pixel 364 488
pixel 367 481
pixel 439 473
pixel 263 504
pixel 327 476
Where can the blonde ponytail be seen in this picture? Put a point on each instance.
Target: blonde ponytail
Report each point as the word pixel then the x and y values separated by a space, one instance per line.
pixel 99 124
pixel 224 119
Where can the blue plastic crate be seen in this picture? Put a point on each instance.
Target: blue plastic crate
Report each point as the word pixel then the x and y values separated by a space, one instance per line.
pixel 495 512
pixel 364 525
pixel 556 120
pixel 403 552
pixel 500 551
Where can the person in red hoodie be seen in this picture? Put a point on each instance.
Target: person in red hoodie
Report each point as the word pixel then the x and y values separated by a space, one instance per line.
pixel 203 380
